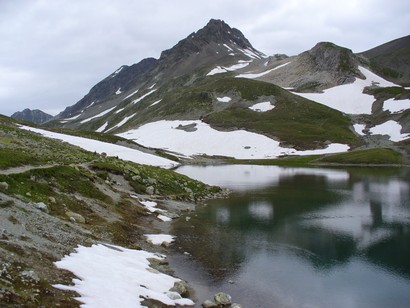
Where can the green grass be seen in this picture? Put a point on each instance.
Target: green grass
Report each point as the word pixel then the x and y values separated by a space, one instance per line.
pixel 289 161
pixel 295 121
pixel 13 158
pixel 381 156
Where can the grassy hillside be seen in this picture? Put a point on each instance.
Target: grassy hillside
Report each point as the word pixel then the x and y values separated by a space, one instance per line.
pixel 294 120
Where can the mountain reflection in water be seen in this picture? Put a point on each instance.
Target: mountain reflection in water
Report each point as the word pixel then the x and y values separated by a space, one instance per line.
pixel 322 233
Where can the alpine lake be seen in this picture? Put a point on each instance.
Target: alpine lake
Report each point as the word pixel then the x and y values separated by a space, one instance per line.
pixel 299 237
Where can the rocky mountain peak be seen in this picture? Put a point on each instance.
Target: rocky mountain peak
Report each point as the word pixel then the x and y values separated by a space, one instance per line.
pixel 333 58
pixel 216 31
pixel 35 116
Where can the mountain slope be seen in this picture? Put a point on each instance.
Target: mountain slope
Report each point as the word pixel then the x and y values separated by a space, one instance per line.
pixel 35 116
pixel 216 76
pixel 391 60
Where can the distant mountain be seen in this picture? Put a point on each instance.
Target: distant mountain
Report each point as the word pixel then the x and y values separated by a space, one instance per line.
pixel 35 116
pixel 391 60
pixel 323 96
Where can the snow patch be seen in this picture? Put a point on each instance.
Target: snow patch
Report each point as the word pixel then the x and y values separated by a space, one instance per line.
pixel 225 99
pixel 114 276
pixel 149 88
pixel 158 239
pixel 123 121
pixel 102 128
pixel 119 110
pixel 349 98
pixel 98 115
pixel 239 144
pixel 257 75
pixel 262 107
pixel 128 96
pixel 396 106
pixel 156 102
pixel 223 69
pixel 72 118
pixel 142 97
pixel 108 148
pixel 391 128
pixel 118 91
pixel 359 129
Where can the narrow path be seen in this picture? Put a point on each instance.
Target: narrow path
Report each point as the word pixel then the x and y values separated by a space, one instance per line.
pixel 22 169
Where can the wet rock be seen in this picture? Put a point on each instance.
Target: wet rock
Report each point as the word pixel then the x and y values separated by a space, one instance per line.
pixel 75 217
pixel 181 287
pixel 209 304
pixel 222 299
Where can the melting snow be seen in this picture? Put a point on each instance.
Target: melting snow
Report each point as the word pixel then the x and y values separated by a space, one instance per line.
pixel 119 110
pixel 359 129
pixel 114 276
pixel 109 148
pixel 158 239
pixel 128 96
pixel 123 121
pixel 102 128
pixel 118 91
pixel 97 116
pixel 206 140
pixel 156 102
pixel 223 69
pixel 262 107
pixel 144 96
pixel 396 106
pixel 391 128
pixel 349 98
pixel 225 99
pixel 257 75
pixel 152 86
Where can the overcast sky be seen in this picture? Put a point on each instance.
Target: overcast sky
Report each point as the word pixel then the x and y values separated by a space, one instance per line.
pixel 53 51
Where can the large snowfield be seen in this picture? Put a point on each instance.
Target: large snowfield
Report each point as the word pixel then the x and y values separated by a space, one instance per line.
pixel 108 148
pixel 349 98
pixel 113 276
pixel 239 144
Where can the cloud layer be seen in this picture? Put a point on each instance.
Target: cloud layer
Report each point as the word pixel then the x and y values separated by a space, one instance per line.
pixel 54 51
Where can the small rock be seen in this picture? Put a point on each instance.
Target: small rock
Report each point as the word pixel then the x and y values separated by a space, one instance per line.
pixel 173 295
pixel 152 181
pixel 150 190
pixel 77 217
pixel 209 304
pixel 41 206
pixel 222 299
pixel 52 199
pixel 181 287
pixel 28 194
pixel 235 305
pixel 4 186
pixel 136 178
pixel 187 218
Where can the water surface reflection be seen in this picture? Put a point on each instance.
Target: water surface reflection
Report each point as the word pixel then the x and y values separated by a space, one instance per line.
pixel 298 236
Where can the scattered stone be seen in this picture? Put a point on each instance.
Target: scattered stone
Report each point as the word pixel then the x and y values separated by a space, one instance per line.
pixel 52 199
pixel 150 190
pixel 152 181
pixel 28 194
pixel 173 295
pixel 187 218
pixel 41 206
pixel 4 186
pixel 136 178
pixel 209 304
pixel 75 217
pixel 222 299
pixel 181 287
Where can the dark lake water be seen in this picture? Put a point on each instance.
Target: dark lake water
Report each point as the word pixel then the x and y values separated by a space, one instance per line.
pixel 300 237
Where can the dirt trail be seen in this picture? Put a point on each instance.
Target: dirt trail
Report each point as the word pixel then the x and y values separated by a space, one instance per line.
pixel 22 169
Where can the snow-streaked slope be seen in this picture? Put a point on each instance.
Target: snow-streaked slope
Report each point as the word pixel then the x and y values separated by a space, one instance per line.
pixel 257 75
pixel 391 128
pixel 114 276
pixel 206 140
pixel 98 115
pixel 349 98
pixel 108 148
pixel 223 69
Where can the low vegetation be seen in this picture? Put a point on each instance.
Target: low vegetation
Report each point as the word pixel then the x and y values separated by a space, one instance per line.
pixel 380 156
